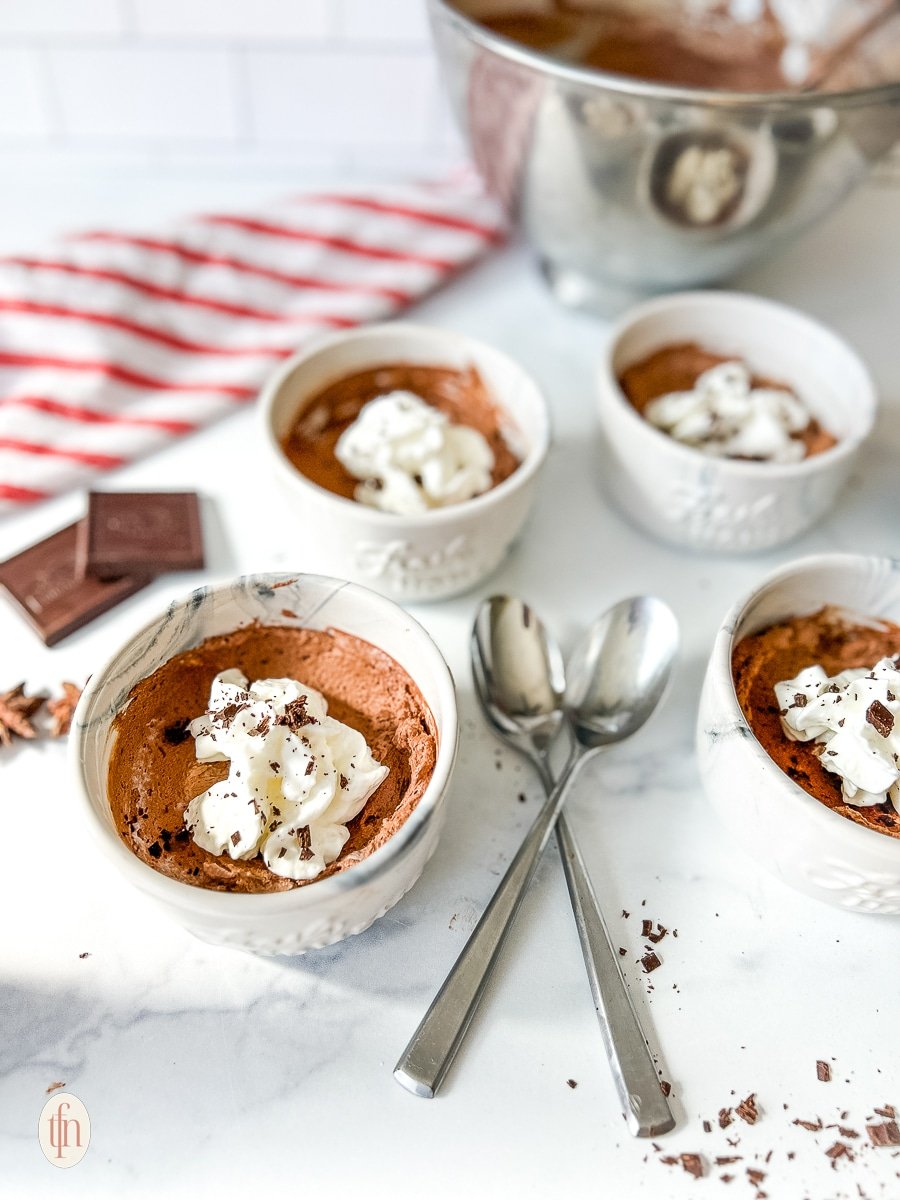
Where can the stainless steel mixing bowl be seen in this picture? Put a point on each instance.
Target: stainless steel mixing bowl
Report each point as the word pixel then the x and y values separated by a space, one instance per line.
pixel 625 186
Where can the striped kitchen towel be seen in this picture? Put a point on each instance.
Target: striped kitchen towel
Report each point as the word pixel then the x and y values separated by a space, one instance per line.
pixel 114 344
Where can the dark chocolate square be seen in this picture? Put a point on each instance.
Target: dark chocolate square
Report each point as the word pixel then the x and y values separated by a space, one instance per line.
pixel 54 597
pixel 141 533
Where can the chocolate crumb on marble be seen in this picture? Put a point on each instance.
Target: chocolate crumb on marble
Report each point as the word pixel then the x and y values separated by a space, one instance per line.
pixel 747 1109
pixel 823 1071
pixel 573 1083
pixel 650 961
pixel 693 1164
pixel 887 1133
pixel 837 1151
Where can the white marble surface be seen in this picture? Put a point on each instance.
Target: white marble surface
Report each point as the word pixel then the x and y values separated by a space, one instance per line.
pixel 206 1070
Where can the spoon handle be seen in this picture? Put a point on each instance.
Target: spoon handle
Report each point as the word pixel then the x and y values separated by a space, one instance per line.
pixel 430 1051
pixel 645 1107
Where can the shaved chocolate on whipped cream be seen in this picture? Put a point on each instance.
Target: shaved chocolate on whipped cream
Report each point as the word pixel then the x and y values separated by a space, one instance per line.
pixel 852 717
pixel 296 775
pixel 154 774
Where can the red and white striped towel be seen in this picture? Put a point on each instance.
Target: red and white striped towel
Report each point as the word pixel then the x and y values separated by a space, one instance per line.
pixel 114 344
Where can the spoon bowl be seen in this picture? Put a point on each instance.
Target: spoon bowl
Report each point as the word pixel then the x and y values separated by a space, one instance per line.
pixel 519 675
pixel 619 671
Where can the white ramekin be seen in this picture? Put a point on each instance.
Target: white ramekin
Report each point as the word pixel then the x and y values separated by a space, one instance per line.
pixel 802 841
pixel 439 553
pixel 692 499
pixel 320 913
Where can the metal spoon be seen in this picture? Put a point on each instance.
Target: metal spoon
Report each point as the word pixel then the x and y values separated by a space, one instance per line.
pixel 617 675
pixel 519 681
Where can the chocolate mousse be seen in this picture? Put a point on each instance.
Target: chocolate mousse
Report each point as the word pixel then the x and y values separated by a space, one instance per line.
pixel 766 47
pixel 460 395
pixel 835 642
pixel 706 51
pixel 154 772
pixel 677 368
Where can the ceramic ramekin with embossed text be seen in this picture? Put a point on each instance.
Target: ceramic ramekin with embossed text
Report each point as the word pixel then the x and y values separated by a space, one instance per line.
pixel 326 910
pixel 409 558
pixel 804 842
pixel 728 505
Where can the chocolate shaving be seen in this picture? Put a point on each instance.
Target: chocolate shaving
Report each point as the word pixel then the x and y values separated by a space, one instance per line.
pixel 813 1127
pixel 661 932
pixel 725 1160
pixel 693 1164
pixel 800 701
pixel 625 913
pixel 707 1128
pixel 622 951
pixel 235 838
pixel 887 1111
pixel 823 1071
pixel 224 716
pixel 839 1150
pixel 573 1083
pixel 55 1086
pixel 880 718
pixel 646 928
pixel 303 837
pixel 755 1175
pixel 725 1118
pixel 747 1109
pixel 650 961
pixel 885 1134
pixel 343 781
pixel 665 1087
pixel 310 767
pixel 295 715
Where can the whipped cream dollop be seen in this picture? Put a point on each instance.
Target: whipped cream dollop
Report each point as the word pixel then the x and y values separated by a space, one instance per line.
pixel 704 182
pixel 411 458
pixel 724 415
pixel 296 776
pixel 853 716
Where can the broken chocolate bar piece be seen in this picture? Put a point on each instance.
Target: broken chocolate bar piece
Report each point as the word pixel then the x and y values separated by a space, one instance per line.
pixel 52 595
pixel 140 533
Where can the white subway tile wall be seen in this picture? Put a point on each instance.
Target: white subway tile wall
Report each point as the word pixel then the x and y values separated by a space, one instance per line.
pixel 336 83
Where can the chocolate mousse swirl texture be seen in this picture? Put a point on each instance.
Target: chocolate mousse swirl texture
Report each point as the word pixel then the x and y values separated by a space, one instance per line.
pixel 154 773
